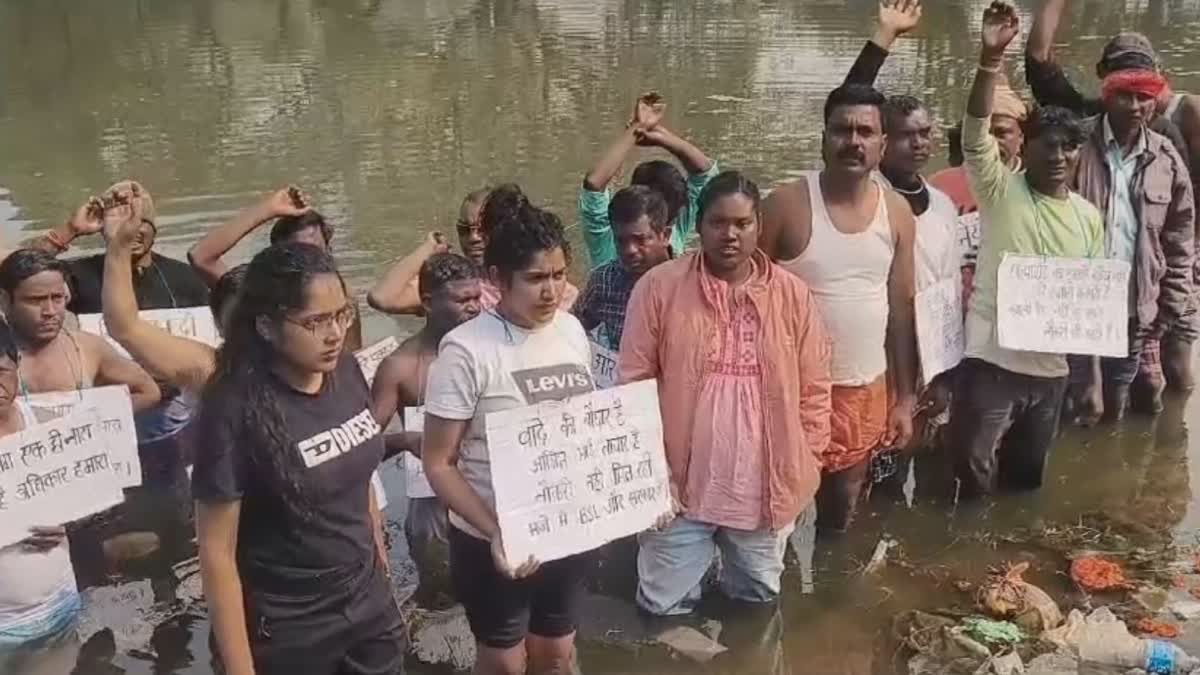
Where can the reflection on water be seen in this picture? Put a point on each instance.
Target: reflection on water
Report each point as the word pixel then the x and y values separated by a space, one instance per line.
pixel 388 112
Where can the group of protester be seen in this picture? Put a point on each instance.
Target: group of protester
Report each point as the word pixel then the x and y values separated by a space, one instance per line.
pixel 780 330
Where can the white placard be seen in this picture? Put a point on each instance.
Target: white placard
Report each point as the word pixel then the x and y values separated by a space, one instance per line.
pixel 370 357
pixel 604 366
pixel 969 235
pixel 416 485
pixel 194 323
pixel 1063 305
pixel 113 405
pixel 940 327
pixel 572 476
pixel 55 472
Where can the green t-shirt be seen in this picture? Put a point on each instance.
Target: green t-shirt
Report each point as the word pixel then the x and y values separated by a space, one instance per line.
pixel 597 231
pixel 1016 219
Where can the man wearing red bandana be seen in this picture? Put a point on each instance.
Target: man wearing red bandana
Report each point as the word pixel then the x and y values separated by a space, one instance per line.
pixel 1128 64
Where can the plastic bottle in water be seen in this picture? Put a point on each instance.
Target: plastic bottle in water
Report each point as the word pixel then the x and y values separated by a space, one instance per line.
pixel 1164 658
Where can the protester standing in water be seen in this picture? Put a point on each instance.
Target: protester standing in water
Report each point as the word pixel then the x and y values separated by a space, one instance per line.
pixel 1130 57
pixel 397 291
pixel 850 239
pixel 742 362
pixel 291 550
pixel 645 129
pixel 642 233
pixel 1006 407
pixel 520 352
pixel 39 602
pixel 449 285
pixel 295 221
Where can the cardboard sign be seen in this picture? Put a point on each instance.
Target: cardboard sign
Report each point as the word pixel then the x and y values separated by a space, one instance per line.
pixel 115 409
pixel 574 475
pixel 1063 305
pixel 604 366
pixel 194 323
pixel 55 472
pixel 940 337
pixel 370 357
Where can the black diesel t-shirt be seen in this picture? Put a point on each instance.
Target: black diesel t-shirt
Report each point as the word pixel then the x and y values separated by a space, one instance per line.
pixel 337 445
pixel 165 284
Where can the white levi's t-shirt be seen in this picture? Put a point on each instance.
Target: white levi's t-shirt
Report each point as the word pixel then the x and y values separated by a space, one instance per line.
pixel 488 364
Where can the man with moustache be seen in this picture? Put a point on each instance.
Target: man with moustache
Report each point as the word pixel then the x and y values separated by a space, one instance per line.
pixel 850 238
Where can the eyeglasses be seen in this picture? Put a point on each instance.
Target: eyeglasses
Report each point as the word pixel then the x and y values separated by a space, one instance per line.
pixel 320 323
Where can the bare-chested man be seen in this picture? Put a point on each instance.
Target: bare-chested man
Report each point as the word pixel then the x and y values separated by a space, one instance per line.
pixel 450 294
pixel 851 240
pixel 34 296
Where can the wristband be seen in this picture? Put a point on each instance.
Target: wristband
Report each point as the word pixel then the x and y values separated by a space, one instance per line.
pixel 990 69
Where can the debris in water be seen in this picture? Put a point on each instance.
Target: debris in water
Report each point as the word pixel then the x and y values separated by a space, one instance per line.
pixel 993 632
pixel 879 558
pixel 1005 595
pixel 724 98
pixel 1097 574
pixel 1162 629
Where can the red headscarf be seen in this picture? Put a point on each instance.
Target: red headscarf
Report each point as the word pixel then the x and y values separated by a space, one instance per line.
pixel 1146 82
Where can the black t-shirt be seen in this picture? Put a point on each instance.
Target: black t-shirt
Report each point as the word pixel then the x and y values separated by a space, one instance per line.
pixel 336 445
pixel 165 284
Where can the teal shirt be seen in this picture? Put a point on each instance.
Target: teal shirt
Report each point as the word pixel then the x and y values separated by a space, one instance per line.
pixel 597 231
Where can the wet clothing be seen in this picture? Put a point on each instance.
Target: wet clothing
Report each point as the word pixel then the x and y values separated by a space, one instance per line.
pixel 1018 220
pixel 316 592
pixel 502 611
pixel 672 564
pixel 1002 425
pixel 673 330
pixel 840 494
pixel 597 229
pixel 858 420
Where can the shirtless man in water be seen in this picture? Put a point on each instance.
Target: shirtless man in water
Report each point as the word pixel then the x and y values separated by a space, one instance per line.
pixel 450 291
pixel 34 297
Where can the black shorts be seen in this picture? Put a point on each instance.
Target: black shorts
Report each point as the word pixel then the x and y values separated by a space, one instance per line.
pixel 502 611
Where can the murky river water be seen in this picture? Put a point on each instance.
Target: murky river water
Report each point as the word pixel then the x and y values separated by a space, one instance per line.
pixel 388 111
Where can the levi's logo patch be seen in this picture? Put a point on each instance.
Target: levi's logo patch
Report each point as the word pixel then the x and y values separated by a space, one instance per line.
pixel 553 383
pixel 336 441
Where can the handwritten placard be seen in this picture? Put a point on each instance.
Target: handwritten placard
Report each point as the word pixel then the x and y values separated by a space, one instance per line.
pixel 55 472
pixel 1064 305
pixel 115 408
pixel 370 357
pixel 604 366
pixel 194 323
pixel 940 327
pixel 969 236
pixel 571 476
pixel 416 485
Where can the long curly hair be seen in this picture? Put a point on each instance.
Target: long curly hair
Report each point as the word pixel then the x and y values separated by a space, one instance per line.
pixel 238 394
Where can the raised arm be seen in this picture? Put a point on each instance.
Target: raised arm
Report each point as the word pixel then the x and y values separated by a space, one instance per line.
pixel 1040 45
pixel 397 292
pixel 692 158
pixel 86 220
pixel 183 363
pixel 896 17
pixel 1047 80
pixel 206 254
pixel 112 368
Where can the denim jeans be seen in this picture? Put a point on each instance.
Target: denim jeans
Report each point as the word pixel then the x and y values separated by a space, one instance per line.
pixel 672 564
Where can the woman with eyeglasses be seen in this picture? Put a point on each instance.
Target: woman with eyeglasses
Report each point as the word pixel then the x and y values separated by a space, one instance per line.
pixel 291 553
